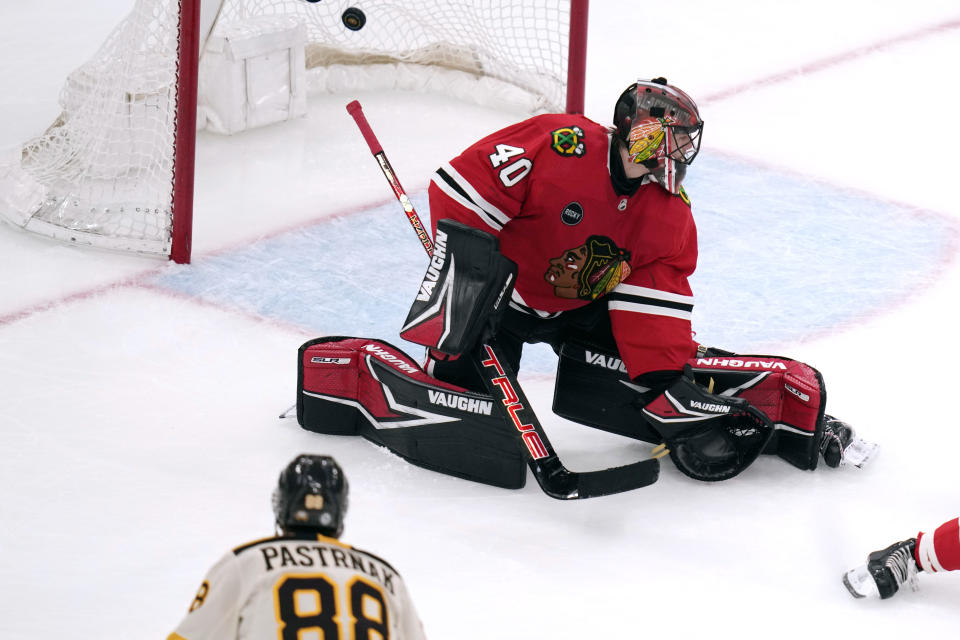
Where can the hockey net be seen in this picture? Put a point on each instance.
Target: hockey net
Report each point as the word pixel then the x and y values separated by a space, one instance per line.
pixel 111 170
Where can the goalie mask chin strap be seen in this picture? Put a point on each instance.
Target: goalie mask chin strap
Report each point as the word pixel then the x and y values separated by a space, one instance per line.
pixel 622 185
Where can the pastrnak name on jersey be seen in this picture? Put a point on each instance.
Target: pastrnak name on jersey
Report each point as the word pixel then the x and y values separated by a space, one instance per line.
pixel 284 553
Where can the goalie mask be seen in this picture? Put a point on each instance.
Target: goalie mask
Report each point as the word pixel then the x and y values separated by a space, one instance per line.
pixel 311 496
pixel 660 126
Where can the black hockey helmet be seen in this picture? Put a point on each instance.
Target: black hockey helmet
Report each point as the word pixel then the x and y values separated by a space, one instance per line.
pixel 660 126
pixel 311 495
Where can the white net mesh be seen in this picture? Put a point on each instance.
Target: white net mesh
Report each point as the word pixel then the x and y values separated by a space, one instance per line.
pixel 523 44
pixel 102 174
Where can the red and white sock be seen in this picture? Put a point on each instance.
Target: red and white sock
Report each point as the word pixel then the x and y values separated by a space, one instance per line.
pixel 939 551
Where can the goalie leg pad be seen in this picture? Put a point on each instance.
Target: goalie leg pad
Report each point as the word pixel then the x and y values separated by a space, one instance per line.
pixel 463 294
pixel 349 385
pixel 592 387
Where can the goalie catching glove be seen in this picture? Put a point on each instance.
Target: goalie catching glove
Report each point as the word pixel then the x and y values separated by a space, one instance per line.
pixel 710 437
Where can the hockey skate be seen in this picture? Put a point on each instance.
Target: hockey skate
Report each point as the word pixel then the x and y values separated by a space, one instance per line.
pixel 839 445
pixel 885 572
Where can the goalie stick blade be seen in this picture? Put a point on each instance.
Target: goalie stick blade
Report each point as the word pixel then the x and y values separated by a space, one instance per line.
pixel 560 483
pixel 553 477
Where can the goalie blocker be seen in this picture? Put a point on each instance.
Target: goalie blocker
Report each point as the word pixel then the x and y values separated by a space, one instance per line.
pixel 464 292
pixel 593 388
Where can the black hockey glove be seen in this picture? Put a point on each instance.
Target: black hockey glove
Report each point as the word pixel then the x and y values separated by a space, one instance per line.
pixel 710 437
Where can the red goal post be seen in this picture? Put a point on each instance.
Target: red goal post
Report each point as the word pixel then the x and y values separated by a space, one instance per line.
pixel 116 168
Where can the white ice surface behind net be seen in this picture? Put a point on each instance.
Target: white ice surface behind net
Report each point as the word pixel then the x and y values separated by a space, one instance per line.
pixel 139 399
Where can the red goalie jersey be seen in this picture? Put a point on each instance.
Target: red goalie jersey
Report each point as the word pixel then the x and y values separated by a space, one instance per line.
pixel 544 187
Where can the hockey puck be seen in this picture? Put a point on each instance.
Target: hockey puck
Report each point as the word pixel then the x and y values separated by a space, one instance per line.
pixel 353 19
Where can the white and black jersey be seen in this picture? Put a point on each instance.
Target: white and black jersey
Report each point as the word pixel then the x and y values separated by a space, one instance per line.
pixel 295 588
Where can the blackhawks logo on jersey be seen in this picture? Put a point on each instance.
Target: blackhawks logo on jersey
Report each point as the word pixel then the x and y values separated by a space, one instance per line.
pixel 589 271
pixel 568 141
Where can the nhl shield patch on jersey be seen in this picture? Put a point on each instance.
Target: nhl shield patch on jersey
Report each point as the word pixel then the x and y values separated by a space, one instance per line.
pixel 568 141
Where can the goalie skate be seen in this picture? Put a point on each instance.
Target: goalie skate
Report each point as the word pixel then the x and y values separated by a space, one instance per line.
pixel 840 445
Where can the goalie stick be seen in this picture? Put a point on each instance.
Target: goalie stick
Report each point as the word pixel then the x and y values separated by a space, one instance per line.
pixel 501 381
pixel 356 111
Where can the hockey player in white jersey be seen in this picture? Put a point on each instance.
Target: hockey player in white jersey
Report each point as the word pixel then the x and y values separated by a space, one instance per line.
pixel 304 582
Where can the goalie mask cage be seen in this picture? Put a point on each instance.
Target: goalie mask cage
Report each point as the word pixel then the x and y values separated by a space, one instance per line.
pixel 115 170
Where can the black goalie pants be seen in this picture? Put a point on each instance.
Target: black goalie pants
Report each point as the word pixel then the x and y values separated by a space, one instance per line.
pixel 588 325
